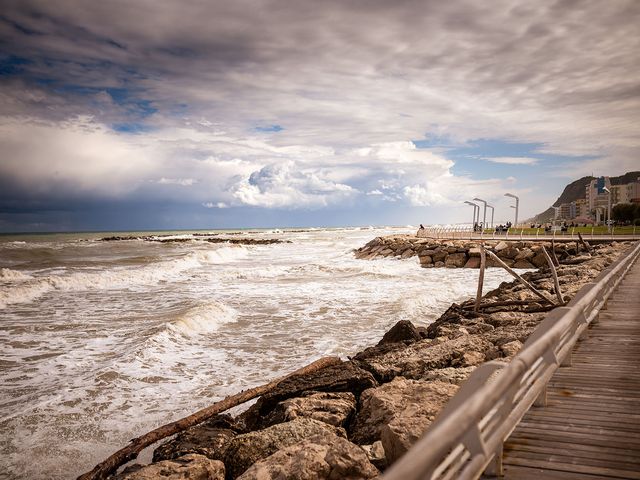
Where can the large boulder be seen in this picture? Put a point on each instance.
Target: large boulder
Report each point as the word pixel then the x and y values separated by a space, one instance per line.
pixel 398 412
pixel 209 439
pixel 246 449
pixel 334 408
pixel 523 264
pixel 502 245
pixel 473 262
pixel 345 377
pixel 456 260
pixel 417 359
pixel 450 374
pixel 188 467
pixel 404 331
pixel 322 458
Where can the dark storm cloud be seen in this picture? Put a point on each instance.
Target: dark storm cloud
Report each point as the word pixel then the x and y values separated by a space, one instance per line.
pixel 167 99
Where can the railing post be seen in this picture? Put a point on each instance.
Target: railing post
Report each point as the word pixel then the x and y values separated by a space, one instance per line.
pixel 567 360
pixel 541 399
pixel 495 467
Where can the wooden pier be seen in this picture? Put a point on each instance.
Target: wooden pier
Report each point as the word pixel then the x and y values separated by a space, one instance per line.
pixel 590 427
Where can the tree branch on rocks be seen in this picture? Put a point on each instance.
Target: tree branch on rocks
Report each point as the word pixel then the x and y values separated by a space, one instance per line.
pixel 131 451
pixel 519 278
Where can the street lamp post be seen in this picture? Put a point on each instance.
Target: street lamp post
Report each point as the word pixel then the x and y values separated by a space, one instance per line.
pixel 475 207
pixel 608 209
pixel 492 210
pixel 515 223
pixel 484 211
pixel 555 214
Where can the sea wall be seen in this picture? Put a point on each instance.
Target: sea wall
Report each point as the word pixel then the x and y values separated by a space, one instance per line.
pixel 354 418
pixel 463 253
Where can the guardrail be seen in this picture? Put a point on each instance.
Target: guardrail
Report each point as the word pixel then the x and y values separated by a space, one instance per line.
pixel 466 231
pixel 466 438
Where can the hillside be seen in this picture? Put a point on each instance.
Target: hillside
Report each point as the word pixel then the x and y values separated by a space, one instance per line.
pixel 576 190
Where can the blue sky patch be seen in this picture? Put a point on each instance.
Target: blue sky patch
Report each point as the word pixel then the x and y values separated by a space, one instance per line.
pixel 269 129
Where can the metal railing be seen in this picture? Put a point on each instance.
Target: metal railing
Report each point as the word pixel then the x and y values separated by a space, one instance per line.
pixel 466 438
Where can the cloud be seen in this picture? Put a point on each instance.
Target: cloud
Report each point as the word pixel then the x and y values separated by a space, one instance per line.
pixel 215 205
pixel 185 182
pixel 283 186
pixel 262 104
pixel 513 160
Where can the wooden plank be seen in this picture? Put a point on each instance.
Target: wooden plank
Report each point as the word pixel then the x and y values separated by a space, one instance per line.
pixel 578 447
pixel 516 472
pixel 570 467
pixel 590 427
pixel 560 457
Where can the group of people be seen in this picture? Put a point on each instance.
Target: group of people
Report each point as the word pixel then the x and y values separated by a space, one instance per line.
pixel 504 228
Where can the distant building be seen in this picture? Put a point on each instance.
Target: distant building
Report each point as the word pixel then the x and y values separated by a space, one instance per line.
pixel 626 193
pixel 581 208
pixel 597 199
pixel 596 196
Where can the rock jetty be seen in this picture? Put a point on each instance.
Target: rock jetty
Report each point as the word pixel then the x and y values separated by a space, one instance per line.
pixel 463 253
pixel 195 237
pixel 353 419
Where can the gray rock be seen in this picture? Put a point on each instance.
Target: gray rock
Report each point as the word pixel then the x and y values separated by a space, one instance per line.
pixel 439 256
pixel 375 454
pixel 425 260
pixel 523 264
pixel 322 459
pixel 450 374
pixel 209 439
pixel 191 467
pixel 415 360
pixel 408 253
pixel 457 260
pixel 501 246
pixel 473 262
pixel 510 349
pixel 439 264
pixel 404 331
pixel 334 408
pixel 346 377
pixel 525 254
pixel 246 449
pixel 398 412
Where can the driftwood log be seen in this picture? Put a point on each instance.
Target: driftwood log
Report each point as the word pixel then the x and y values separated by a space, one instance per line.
pixel 519 278
pixel 556 283
pixel 131 451
pixel 584 243
pixel 506 303
pixel 483 262
pixel 553 252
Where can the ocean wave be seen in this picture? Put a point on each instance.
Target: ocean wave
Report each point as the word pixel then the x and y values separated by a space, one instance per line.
pixel 117 278
pixel 8 275
pixel 205 318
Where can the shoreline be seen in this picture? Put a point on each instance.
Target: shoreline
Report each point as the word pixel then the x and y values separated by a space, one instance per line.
pixel 369 409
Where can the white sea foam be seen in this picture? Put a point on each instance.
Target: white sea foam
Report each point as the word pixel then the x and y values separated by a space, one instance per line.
pixel 117 278
pixel 8 275
pixel 206 318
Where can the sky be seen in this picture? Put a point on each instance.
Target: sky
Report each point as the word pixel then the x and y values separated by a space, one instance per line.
pixel 121 115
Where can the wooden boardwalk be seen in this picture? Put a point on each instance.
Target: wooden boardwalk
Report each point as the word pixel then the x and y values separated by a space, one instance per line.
pixel 590 427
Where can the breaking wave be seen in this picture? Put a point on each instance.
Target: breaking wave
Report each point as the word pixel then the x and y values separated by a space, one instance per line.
pixel 30 288
pixel 206 318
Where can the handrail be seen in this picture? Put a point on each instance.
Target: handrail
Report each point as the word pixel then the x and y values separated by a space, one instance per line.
pixel 469 432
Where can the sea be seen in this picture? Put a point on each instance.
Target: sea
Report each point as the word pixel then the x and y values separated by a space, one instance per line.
pixel 101 342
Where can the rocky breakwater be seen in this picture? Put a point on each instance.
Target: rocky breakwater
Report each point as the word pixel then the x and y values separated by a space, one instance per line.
pixel 195 238
pixel 353 418
pixel 462 253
